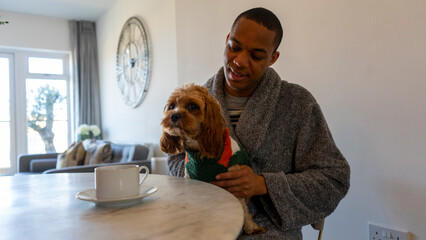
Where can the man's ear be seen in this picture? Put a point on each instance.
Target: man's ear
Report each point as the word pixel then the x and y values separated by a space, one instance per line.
pixel 274 58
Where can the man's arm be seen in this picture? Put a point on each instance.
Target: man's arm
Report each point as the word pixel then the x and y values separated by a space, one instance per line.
pixel 176 165
pixel 314 188
pixel 319 181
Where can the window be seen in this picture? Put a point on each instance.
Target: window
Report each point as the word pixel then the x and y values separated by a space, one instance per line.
pixel 34 104
pixel 5 120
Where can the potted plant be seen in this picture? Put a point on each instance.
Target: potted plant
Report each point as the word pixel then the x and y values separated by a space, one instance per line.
pixel 85 131
pixel 3 22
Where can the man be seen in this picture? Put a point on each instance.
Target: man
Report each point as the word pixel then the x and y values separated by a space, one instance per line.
pixel 298 175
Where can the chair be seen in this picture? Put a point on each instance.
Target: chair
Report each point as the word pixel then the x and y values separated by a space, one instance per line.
pixel 319 226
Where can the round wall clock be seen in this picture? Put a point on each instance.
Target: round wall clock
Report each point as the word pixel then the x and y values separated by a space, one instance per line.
pixel 133 62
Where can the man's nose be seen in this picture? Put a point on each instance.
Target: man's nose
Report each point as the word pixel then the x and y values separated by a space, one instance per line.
pixel 241 60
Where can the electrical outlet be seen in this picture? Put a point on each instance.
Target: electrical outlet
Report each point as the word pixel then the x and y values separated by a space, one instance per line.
pixel 376 232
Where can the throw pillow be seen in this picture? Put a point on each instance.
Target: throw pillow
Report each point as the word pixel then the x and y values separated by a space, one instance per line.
pixel 97 152
pixel 73 156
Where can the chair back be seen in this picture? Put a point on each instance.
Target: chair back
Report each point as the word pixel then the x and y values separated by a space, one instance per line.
pixel 319 226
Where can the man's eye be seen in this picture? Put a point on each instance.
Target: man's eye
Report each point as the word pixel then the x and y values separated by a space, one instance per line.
pixel 172 106
pixel 234 49
pixel 192 106
pixel 256 58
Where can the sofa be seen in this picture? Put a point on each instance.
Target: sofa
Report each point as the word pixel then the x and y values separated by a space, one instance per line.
pixel 118 154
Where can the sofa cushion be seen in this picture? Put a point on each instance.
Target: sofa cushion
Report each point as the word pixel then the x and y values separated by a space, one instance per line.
pixel 129 152
pixel 122 152
pixel 141 152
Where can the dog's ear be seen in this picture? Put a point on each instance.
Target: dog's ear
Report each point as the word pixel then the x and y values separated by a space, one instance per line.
pixel 171 144
pixel 211 138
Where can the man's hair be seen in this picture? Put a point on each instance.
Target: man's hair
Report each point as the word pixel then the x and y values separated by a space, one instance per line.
pixel 266 18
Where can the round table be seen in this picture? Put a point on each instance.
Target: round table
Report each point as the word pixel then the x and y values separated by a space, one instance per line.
pixel 45 207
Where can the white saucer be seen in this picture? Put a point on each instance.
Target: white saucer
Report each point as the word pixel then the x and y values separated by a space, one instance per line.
pixel 90 196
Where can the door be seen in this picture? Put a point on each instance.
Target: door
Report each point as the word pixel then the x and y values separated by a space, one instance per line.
pixel 7 140
pixel 34 104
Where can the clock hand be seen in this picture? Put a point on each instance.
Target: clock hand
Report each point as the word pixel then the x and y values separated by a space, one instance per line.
pixel 133 60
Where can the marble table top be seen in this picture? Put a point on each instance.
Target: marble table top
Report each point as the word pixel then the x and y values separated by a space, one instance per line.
pixel 45 207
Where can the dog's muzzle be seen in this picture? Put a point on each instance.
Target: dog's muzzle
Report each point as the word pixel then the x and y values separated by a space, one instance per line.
pixel 175 117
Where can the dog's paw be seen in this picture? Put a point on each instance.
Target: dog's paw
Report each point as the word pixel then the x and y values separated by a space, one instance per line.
pixel 259 230
pixel 254 230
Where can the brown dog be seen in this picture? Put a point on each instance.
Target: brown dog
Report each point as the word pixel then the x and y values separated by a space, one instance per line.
pixel 193 123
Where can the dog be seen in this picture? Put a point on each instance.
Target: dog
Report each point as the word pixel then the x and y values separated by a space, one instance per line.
pixel 193 123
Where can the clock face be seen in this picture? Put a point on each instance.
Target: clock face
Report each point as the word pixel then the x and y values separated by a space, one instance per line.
pixel 133 62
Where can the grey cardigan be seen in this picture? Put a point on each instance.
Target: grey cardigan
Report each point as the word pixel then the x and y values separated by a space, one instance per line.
pixel 287 138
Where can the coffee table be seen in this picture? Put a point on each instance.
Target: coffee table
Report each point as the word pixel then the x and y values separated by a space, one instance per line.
pixel 45 207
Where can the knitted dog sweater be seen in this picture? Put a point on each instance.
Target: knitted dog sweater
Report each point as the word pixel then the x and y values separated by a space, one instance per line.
pixel 206 169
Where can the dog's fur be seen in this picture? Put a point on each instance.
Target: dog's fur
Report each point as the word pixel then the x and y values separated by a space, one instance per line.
pixel 193 121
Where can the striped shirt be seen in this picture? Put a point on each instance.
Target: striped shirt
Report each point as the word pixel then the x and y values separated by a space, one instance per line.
pixel 235 107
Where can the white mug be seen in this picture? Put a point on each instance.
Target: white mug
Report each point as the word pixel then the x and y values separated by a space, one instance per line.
pixel 118 181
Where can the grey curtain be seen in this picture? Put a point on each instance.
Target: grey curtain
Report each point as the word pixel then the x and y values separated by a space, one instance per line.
pixel 86 91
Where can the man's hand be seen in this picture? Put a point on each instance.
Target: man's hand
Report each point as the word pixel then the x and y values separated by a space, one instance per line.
pixel 242 182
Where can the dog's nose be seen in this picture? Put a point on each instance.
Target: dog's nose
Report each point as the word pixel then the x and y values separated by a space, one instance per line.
pixel 175 117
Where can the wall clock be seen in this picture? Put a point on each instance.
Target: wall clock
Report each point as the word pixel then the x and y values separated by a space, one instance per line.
pixel 133 62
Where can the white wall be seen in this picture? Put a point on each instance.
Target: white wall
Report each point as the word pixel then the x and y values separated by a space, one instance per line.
pixel 34 32
pixel 142 124
pixel 364 62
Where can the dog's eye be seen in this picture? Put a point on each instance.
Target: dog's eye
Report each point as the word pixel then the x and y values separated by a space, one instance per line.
pixel 192 106
pixel 172 106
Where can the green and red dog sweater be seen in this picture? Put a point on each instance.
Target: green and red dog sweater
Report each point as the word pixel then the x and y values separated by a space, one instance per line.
pixel 206 169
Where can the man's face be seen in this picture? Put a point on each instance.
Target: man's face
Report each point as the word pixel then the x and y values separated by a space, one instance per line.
pixel 248 53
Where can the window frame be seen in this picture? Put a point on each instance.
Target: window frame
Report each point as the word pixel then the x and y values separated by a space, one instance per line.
pixel 18 110
pixel 12 121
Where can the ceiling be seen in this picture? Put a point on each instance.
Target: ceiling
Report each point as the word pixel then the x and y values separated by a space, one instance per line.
pixel 89 10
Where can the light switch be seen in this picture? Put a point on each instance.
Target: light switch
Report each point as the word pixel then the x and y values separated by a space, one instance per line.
pixel 376 232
